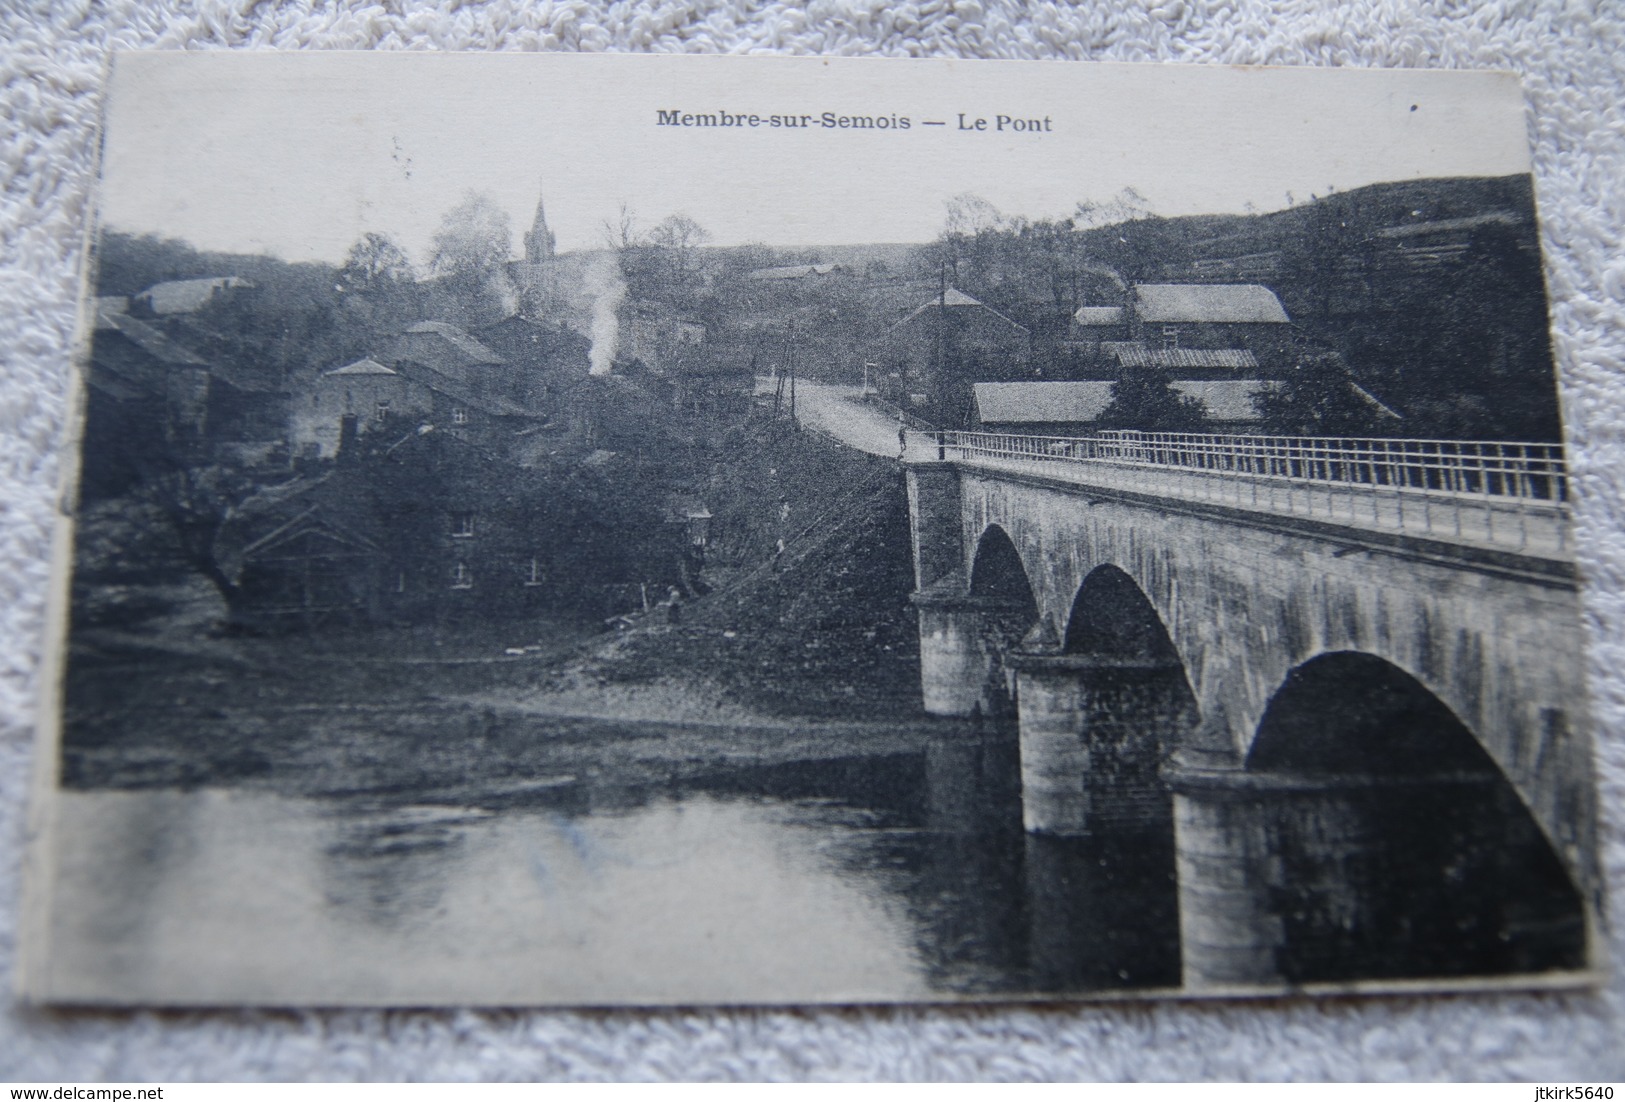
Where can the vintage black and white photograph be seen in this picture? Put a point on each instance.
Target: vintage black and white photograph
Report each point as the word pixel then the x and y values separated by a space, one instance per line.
pixel 640 531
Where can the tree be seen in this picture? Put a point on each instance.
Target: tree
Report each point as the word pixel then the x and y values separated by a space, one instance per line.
pixel 1319 398
pixel 473 243
pixel 1127 205
pixel 971 216
pixel 679 237
pixel 198 502
pixel 1146 400
pixel 375 264
pixel 621 232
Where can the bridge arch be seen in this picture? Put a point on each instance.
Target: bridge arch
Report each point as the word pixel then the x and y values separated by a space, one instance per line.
pixel 1400 847
pixel 1099 710
pixel 1007 610
pixel 998 572
pixel 1111 617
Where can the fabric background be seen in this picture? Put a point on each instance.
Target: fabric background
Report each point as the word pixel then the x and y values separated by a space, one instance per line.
pixel 1572 60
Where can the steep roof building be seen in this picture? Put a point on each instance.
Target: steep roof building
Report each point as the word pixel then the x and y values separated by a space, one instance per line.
pixel 539 240
pixel 1208 303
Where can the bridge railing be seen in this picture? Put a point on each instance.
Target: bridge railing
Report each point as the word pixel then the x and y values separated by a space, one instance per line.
pixel 1518 491
pixel 1462 467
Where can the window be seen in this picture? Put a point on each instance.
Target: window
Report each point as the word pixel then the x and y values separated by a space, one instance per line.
pixel 462 526
pixel 533 572
pixel 381 414
pixel 1170 336
pixel 459 415
pixel 461 578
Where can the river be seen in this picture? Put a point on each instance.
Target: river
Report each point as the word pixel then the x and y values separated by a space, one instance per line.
pixel 853 879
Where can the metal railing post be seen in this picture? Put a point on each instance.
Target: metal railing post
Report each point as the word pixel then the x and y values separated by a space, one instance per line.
pixel 1503 476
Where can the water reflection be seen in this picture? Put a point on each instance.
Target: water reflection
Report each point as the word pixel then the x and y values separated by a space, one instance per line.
pixel 905 875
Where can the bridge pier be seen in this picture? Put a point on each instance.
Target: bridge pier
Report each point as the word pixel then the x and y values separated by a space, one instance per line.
pixel 1290 878
pixel 1092 734
pixel 1230 936
pixel 962 640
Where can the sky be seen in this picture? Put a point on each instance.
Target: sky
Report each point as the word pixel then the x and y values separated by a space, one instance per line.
pixel 298 154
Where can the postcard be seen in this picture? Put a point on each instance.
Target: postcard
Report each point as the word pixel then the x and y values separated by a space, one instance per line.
pixel 608 530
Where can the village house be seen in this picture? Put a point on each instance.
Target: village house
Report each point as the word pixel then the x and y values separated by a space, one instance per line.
pixel 304 554
pixel 431 525
pixel 453 355
pixel 437 377
pixel 671 357
pixel 1074 408
pixel 149 394
pixel 367 395
pixel 1200 330
pixel 545 363
pixel 1042 408
pixel 185 296
pixel 931 358
pixel 793 272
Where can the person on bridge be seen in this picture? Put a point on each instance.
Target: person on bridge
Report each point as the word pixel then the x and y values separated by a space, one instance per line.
pixel 902 441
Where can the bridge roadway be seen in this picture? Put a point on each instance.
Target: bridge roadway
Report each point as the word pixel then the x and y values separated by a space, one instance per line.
pixel 1534 528
pixel 1529 526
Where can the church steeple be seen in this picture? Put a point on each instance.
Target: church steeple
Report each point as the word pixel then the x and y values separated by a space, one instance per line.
pixel 539 241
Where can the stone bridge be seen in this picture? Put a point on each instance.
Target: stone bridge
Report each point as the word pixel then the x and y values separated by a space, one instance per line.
pixel 1355 697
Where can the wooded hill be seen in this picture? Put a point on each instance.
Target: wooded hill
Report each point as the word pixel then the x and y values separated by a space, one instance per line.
pixel 1430 291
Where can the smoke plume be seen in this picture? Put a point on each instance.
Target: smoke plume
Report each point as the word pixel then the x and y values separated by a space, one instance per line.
pixel 603 282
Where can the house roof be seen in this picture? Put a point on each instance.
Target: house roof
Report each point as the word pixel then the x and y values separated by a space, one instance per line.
pixel 1032 403
pixel 116 386
pixel 111 304
pixel 186 296
pixel 953 296
pixel 1193 303
pixel 151 340
pixel 311 520
pixel 1227 399
pixel 680 508
pixel 1099 315
pixel 250 380
pixel 556 349
pixel 956 299
pixel 1137 354
pixel 473 350
pixel 364 366
pixel 1383 408
pixel 792 271
pixel 493 404
pixel 164 353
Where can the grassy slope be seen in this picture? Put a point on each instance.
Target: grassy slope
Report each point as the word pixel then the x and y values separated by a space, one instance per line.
pixel 823 628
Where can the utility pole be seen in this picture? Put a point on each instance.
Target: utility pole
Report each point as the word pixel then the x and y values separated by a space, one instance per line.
pixel 941 379
pixel 778 379
pixel 792 356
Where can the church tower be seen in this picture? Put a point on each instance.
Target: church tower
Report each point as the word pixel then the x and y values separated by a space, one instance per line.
pixel 539 241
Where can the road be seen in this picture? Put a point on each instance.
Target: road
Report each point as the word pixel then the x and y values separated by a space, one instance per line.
pixel 839 412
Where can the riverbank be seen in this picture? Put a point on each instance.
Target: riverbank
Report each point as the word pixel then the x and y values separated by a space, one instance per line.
pixel 797 642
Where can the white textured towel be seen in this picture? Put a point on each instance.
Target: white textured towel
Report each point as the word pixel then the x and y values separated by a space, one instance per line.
pixel 1572 60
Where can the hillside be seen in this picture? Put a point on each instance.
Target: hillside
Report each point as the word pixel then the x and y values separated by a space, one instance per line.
pixel 823 628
